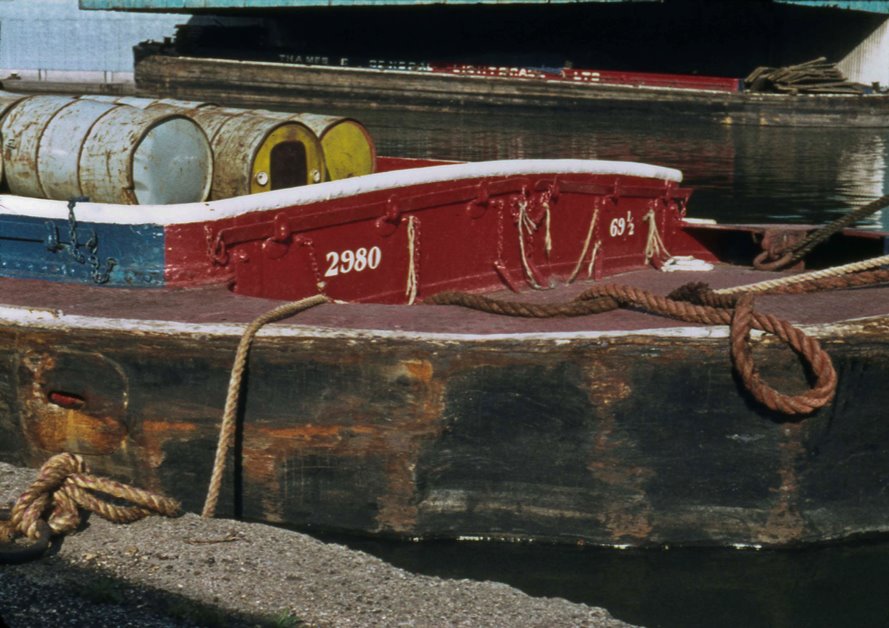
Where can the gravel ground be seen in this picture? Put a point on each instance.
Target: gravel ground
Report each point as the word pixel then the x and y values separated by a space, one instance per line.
pixel 190 571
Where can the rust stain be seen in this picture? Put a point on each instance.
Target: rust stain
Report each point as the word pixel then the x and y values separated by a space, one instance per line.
pixel 785 523
pixel 56 429
pixel 627 512
pixel 155 434
pixel 261 470
pixel 605 386
pixel 420 370
pixel 398 509
pixel 395 442
pixel 314 435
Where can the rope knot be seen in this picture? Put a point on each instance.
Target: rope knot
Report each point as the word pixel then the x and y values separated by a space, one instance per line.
pixel 64 486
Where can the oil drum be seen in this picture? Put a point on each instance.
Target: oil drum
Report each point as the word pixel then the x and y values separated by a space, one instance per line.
pixel 59 147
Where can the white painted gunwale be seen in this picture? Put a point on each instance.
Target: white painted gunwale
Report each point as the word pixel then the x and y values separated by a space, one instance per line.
pixel 185 213
pixel 57 320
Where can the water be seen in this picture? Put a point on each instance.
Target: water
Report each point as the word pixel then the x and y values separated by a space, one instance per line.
pixel 740 174
pixel 830 586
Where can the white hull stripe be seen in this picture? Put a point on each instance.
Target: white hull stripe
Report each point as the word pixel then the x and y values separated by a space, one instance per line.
pixel 54 320
pixel 278 199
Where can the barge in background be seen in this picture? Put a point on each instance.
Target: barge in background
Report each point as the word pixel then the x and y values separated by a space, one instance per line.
pixel 383 410
pixel 448 87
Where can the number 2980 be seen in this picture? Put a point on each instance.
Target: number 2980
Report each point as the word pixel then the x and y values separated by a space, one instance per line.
pixel 357 260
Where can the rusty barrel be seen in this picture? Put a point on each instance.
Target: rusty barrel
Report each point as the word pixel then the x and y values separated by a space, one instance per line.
pixel 58 157
pixel 255 152
pixel 22 129
pixel 59 147
pixel 349 150
pixel 7 100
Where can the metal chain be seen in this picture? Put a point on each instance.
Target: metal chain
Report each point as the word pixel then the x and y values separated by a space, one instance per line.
pixel 99 273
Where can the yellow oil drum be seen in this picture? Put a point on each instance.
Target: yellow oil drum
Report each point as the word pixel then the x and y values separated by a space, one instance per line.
pixel 349 150
pixel 255 152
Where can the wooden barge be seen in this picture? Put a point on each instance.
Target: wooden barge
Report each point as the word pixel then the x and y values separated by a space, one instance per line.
pixel 288 85
pixel 380 411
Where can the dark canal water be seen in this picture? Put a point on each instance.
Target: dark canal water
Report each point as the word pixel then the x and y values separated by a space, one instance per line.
pixel 740 174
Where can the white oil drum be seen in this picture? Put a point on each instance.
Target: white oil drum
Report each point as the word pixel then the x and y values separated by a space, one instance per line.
pixel 212 118
pixel 22 131
pixel 7 100
pixel 61 147
pixel 58 160
pixel 141 156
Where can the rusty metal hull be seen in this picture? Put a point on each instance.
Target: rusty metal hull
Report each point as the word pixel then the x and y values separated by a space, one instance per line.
pixel 437 425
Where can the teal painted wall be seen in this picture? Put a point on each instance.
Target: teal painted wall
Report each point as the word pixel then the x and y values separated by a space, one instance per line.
pixel 872 6
pixel 204 5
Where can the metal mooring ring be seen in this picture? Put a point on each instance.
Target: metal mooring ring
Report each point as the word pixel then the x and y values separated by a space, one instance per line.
pixel 12 553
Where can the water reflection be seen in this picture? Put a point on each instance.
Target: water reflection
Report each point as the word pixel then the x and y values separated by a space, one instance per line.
pixel 739 173
pixel 683 588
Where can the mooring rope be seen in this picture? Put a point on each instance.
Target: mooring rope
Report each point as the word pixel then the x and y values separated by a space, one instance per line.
pixel 836 271
pixel 742 318
pixel 793 254
pixel 64 486
pixel 233 396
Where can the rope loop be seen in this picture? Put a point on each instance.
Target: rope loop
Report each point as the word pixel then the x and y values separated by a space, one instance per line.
pixel 743 319
pixel 694 303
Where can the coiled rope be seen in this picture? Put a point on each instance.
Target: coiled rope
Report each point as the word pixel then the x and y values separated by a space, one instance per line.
pixel 64 486
pixel 741 318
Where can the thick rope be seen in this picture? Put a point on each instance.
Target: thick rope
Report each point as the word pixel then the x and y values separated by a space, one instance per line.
pixel 790 256
pixel 64 486
pixel 610 296
pixel 523 309
pixel 232 399
pixel 836 271
pixel 548 240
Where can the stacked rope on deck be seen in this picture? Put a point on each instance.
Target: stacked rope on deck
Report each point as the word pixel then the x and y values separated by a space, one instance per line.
pixel 817 76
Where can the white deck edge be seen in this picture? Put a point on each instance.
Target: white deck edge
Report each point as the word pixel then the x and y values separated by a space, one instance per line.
pixel 185 213
pixel 56 320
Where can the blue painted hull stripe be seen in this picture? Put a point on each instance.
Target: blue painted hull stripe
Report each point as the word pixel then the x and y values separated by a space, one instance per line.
pixel 40 248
